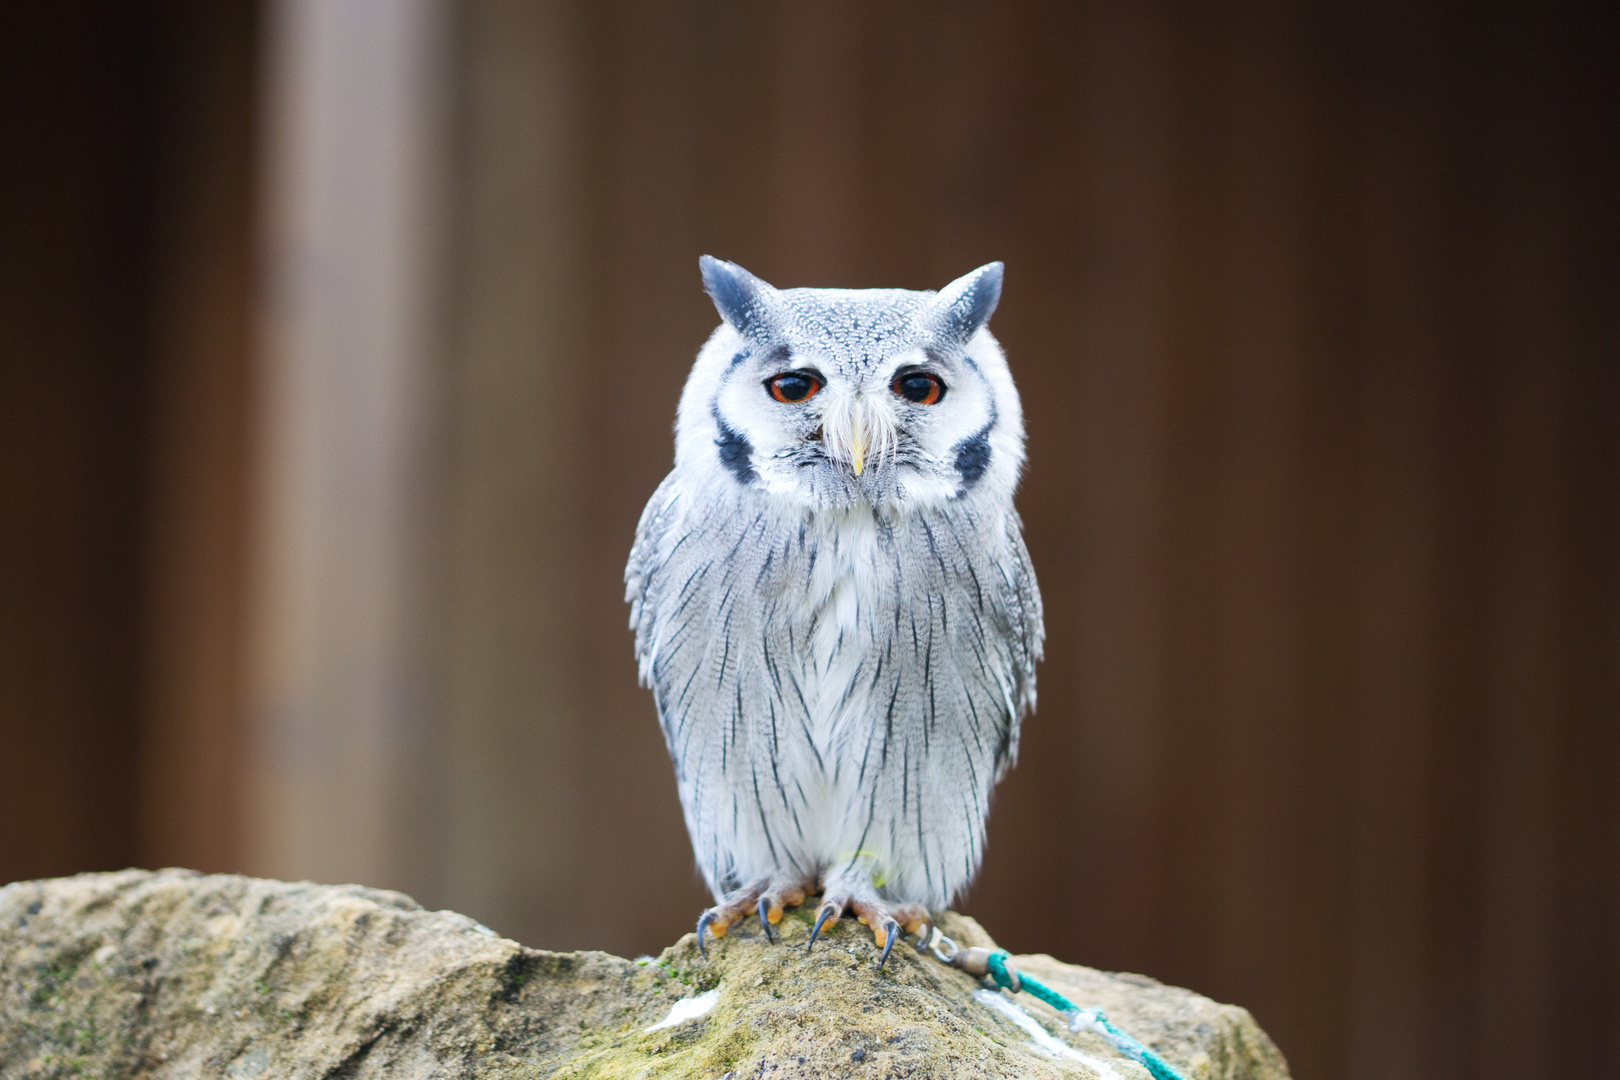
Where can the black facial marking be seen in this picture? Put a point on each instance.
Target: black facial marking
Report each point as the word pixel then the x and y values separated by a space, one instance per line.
pixel 937 358
pixel 777 357
pixel 973 456
pixel 736 453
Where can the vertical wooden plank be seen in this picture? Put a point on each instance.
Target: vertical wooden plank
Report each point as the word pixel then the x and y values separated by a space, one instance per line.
pixel 191 761
pixel 1260 768
pixel 341 694
pixel 1525 682
pixel 1321 850
pixel 1183 876
pixel 1099 472
pixel 520 464
pixel 76 92
pixel 1586 946
pixel 1394 642
pixel 1454 813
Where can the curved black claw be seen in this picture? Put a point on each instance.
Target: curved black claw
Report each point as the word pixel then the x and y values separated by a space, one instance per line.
pixel 764 911
pixel 703 928
pixel 827 911
pixel 891 930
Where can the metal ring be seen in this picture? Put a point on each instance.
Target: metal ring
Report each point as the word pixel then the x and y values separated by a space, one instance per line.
pixel 937 939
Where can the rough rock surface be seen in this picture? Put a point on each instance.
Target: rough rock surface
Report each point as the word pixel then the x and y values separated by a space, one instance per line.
pixel 176 974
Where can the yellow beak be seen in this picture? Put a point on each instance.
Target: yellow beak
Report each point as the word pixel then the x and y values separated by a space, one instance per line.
pixel 857 447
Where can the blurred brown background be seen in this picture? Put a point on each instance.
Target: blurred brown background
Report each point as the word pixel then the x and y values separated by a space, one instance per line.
pixel 339 348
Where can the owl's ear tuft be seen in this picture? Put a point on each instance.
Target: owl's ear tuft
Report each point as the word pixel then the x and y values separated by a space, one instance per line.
pixel 745 302
pixel 966 303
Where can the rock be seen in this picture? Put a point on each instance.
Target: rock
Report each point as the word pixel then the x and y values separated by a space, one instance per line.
pixel 177 974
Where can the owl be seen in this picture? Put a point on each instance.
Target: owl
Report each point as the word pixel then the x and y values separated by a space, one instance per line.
pixel 832 601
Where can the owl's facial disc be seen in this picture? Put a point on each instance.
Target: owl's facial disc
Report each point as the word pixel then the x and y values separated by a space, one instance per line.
pixel 834 423
pixel 829 398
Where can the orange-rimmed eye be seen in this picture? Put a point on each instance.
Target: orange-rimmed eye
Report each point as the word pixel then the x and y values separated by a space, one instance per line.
pixel 920 387
pixel 793 387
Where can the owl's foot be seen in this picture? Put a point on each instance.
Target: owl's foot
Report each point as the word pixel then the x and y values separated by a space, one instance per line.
pixel 888 922
pixel 765 897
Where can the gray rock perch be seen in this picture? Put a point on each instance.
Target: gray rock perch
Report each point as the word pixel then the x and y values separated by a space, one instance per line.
pixel 177 974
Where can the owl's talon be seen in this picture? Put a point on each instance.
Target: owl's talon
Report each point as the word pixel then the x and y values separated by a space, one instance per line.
pixel 763 896
pixel 827 912
pixel 892 933
pixel 772 910
pixel 704 922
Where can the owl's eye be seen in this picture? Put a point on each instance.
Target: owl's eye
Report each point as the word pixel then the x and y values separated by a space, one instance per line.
pixel 920 387
pixel 792 387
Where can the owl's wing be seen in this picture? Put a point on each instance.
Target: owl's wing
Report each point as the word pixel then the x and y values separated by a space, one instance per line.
pixel 645 557
pixel 978 622
pixel 681 562
pixel 1022 598
pixel 720 664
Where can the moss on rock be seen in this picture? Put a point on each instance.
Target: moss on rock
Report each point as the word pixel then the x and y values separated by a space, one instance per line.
pixel 177 974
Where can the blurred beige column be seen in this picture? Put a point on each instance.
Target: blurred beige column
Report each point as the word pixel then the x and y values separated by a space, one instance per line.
pixel 421 706
pixel 522 460
pixel 341 690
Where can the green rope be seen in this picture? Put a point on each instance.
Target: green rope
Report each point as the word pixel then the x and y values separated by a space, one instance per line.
pixel 1078 1017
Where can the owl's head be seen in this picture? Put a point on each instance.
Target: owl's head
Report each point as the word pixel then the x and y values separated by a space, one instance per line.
pixel 828 398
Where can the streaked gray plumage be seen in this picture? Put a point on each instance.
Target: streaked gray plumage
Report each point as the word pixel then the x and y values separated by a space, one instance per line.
pixel 831 596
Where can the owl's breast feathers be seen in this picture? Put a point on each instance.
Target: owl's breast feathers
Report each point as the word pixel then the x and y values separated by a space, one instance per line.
pixel 835 684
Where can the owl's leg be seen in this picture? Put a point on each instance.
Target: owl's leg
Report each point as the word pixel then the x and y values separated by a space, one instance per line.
pixel 848 888
pixel 766 897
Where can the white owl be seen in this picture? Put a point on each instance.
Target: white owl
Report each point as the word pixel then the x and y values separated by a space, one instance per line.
pixel 832 601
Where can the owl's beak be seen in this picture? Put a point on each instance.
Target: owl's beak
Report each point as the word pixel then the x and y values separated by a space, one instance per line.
pixel 856 433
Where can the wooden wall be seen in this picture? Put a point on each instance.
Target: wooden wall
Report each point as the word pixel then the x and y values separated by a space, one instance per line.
pixel 1316 312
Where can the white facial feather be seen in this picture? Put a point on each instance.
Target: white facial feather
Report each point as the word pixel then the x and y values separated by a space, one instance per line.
pixel 831 596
